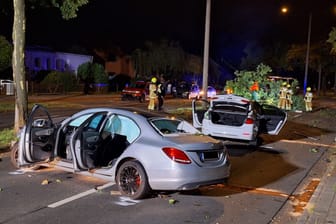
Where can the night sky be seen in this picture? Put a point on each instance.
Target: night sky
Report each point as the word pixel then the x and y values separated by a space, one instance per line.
pixel 129 23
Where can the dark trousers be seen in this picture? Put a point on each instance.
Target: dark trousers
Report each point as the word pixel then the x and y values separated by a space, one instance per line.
pixel 160 101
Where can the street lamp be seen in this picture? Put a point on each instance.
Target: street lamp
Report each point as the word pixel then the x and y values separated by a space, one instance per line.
pixel 284 10
pixel 307 54
pixel 206 50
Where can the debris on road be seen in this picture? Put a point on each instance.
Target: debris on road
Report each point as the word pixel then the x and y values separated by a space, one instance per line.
pixel 115 193
pixel 45 182
pixel 300 201
pixel 314 150
pixel 172 201
pixel 126 201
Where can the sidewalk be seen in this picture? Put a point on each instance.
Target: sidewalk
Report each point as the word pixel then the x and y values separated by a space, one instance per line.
pixel 322 205
pixel 321 208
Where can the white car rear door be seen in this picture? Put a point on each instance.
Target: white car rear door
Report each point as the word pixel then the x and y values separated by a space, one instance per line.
pixel 272 119
pixel 199 107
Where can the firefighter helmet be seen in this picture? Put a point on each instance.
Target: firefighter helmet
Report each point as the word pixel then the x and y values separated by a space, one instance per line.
pixel 284 83
pixel 288 86
pixel 308 89
pixel 153 80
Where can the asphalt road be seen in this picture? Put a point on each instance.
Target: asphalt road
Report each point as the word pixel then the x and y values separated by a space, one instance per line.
pixel 264 186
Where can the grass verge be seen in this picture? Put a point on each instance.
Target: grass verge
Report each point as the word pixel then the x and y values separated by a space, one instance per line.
pixel 6 137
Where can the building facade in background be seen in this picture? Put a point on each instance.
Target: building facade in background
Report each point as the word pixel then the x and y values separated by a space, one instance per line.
pixel 39 58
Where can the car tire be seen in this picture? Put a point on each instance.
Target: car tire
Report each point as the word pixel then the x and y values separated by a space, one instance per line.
pixel 132 180
pixel 14 154
pixel 256 142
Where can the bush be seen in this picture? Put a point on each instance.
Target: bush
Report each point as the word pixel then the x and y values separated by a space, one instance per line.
pixel 90 73
pixel 57 81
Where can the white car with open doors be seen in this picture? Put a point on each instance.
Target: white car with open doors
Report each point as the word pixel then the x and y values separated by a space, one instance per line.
pixel 237 118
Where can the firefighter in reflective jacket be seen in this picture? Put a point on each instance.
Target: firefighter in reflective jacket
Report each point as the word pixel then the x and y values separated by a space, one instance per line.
pixel 282 96
pixel 308 99
pixel 152 94
pixel 289 100
pixel 254 90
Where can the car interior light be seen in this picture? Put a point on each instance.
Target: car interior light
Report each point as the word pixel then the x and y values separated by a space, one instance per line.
pixel 176 155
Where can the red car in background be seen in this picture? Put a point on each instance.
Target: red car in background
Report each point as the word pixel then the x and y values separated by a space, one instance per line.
pixel 138 91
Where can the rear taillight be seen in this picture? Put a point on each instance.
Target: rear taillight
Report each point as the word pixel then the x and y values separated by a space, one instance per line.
pixel 177 155
pixel 249 121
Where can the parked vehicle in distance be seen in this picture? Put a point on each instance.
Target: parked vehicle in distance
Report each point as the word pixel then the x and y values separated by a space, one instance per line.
pixel 141 152
pixel 197 93
pixel 138 91
pixel 194 92
pixel 7 85
pixel 212 92
pixel 181 90
pixel 3 82
pixel 237 118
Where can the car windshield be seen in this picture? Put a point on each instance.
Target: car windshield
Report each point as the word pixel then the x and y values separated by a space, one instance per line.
pixel 173 126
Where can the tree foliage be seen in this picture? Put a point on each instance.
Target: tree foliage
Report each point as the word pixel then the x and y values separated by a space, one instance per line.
pixel 164 57
pixel 57 81
pixel 6 50
pixel 68 8
pixel 92 72
pixel 320 61
pixel 272 53
pixel 245 78
pixel 332 40
pixel 268 89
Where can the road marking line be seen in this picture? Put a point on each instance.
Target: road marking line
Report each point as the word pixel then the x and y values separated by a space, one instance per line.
pixel 80 195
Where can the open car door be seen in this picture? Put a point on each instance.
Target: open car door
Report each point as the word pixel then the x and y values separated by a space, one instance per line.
pixel 86 140
pixel 37 137
pixel 199 107
pixel 272 119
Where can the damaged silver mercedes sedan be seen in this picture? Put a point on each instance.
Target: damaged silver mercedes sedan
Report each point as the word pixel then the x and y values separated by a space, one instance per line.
pixel 141 152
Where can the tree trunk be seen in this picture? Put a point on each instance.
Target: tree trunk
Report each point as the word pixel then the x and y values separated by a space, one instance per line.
pixel 19 76
pixel 335 83
pixel 319 79
pixel 324 85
